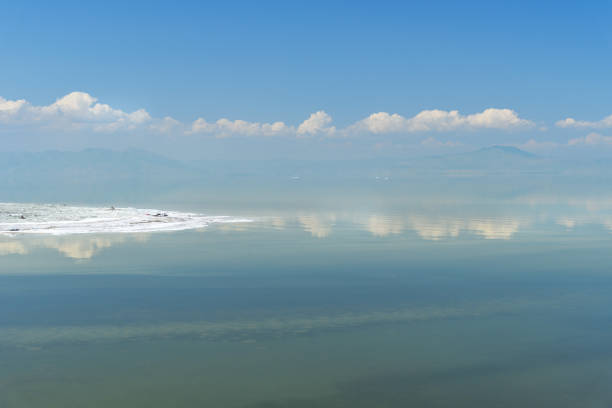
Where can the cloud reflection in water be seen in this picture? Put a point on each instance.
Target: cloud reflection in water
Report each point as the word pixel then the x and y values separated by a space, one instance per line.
pixel 74 247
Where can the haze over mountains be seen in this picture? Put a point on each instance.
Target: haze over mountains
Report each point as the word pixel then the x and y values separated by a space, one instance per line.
pixel 98 174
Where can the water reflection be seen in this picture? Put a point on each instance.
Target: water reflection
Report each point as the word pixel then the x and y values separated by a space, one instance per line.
pixel 391 298
pixel 495 221
pixel 319 225
pixel 77 247
pixel 571 222
pixel 274 326
pixel 381 226
pixel 427 227
pixel 88 247
pixel 424 218
pixel 12 247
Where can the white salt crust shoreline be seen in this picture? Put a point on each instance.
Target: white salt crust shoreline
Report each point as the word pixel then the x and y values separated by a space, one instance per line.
pixel 57 219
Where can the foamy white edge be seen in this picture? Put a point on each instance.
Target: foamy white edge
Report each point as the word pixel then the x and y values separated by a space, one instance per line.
pixel 122 220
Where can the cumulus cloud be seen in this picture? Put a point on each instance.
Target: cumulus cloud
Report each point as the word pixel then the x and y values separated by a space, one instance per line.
pixel 573 123
pixel 9 109
pixel 166 125
pixel 76 110
pixel 439 120
pixel 591 139
pixel 82 111
pixel 225 128
pixel 317 123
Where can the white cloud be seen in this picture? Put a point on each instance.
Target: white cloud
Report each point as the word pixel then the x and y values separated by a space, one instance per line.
pixel 82 111
pixel 439 120
pixel 76 110
pixel 382 122
pixel 166 125
pixel 590 140
pixel 9 109
pixel 225 128
pixel 317 123
pixel 571 122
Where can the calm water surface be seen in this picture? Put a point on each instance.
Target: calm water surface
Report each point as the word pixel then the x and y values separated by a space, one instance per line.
pixel 436 299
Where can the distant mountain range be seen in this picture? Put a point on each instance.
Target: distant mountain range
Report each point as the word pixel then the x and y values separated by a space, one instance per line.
pixel 96 174
pixel 493 158
pixel 508 151
pixel 91 174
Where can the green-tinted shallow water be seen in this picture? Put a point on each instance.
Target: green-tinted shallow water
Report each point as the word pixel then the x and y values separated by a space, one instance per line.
pixel 425 300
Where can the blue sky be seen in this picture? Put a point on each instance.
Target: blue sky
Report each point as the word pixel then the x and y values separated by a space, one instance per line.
pixel 269 62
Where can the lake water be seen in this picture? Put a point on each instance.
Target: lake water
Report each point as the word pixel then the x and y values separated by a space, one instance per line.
pixel 389 295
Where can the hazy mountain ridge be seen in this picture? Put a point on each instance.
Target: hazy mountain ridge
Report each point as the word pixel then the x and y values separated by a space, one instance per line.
pixel 97 174
pixel 92 173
